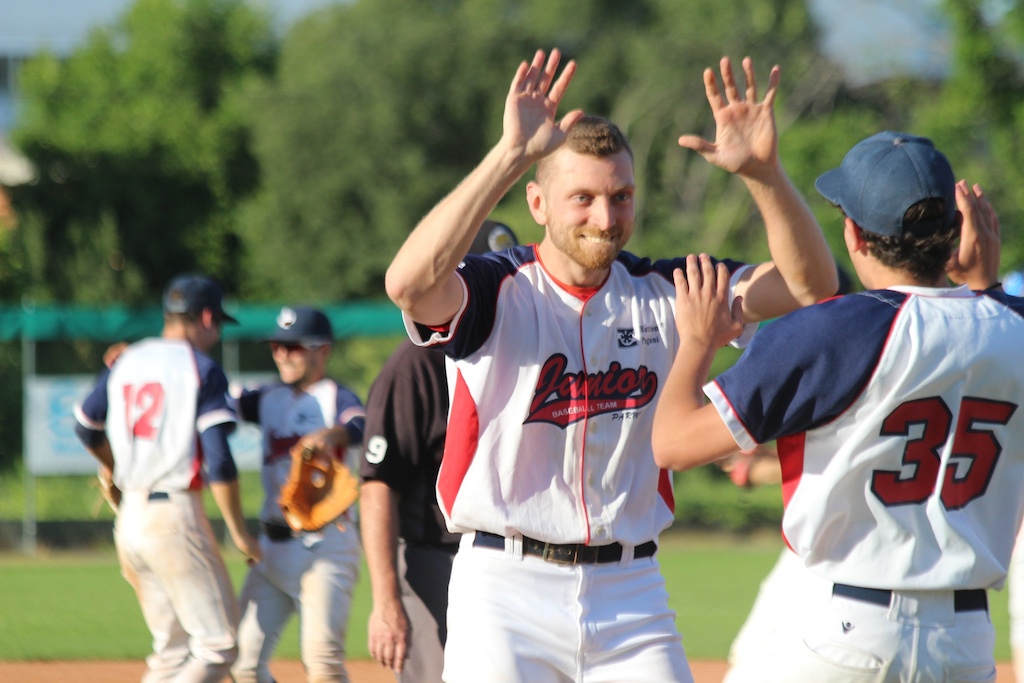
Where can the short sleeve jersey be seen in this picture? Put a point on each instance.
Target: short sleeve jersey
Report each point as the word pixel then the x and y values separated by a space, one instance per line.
pixel 552 399
pixel 285 415
pixel 155 401
pixel 406 420
pixel 898 431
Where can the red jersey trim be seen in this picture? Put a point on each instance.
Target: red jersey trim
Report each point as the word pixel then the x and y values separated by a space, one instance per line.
pixel 665 490
pixel 460 444
pixel 581 293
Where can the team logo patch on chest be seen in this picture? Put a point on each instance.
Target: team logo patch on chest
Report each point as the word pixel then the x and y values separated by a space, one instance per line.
pixel 630 338
pixel 563 398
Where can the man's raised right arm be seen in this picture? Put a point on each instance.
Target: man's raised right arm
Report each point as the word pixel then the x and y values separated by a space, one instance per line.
pixel 421 279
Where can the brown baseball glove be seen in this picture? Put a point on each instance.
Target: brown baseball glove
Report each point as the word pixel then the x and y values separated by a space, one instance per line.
pixel 319 488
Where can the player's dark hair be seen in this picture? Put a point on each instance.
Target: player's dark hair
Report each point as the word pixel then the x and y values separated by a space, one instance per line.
pixel 921 251
pixel 592 136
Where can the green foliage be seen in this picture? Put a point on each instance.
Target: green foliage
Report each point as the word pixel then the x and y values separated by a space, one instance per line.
pixel 378 109
pixel 979 113
pixel 355 362
pixel 707 500
pixel 142 151
pixel 11 436
pixel 180 138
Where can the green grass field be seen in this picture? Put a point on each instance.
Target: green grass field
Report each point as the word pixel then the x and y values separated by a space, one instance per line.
pixel 74 606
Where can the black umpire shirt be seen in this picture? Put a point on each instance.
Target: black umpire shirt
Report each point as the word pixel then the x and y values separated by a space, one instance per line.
pixel 406 420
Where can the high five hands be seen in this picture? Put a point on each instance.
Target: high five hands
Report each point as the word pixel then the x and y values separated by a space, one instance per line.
pixel 976 259
pixel 746 139
pixel 529 122
pixel 704 314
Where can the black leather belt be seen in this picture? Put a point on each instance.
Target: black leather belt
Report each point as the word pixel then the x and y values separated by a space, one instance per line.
pixel 566 553
pixel 450 548
pixel 974 600
pixel 276 532
pixel 159 495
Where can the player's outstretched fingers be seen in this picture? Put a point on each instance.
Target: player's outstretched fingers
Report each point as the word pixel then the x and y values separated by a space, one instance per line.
pixel 547 75
pixel 748 75
pixel 717 103
pixel 709 279
pixel 732 93
pixel 976 260
pixel 711 90
pixel 694 277
pixel 773 82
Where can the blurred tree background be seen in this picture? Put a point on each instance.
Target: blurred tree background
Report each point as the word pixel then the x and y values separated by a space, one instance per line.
pixel 190 136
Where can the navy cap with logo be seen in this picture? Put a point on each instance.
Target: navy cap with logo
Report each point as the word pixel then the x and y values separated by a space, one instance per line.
pixel 886 174
pixel 302 325
pixel 191 293
pixel 493 236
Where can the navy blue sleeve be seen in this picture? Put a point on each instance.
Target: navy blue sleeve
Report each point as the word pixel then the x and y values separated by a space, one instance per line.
pixel 249 405
pixel 220 466
pixel 213 403
pixel 351 415
pixel 807 367
pixel 90 438
pixel 94 407
pixel 641 266
pixel 483 275
pixel 1014 303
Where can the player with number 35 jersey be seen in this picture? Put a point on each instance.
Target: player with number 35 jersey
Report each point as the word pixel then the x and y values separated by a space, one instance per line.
pixel 896 414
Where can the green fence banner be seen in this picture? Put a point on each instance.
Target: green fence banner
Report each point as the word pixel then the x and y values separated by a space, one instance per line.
pixel 49 323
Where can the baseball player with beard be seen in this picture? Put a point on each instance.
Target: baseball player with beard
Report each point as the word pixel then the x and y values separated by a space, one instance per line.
pixel 155 420
pixel 896 418
pixel 312 573
pixel 559 353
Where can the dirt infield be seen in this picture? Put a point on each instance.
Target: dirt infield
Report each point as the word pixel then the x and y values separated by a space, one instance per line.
pixel 361 671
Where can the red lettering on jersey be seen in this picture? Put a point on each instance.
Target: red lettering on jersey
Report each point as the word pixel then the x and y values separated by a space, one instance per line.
pixel 563 398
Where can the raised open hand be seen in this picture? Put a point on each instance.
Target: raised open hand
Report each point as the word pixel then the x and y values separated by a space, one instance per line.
pixel 704 313
pixel 532 103
pixel 746 140
pixel 976 260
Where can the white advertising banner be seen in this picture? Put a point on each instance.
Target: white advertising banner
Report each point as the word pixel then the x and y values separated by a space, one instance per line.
pixel 51 447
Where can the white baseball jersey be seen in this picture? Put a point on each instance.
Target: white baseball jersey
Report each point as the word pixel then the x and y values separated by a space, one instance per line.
pixel 286 415
pixel 899 434
pixel 552 401
pixel 159 396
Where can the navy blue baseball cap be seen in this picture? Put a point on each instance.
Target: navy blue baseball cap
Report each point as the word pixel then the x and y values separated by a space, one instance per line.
pixel 493 236
pixel 191 293
pixel 886 174
pixel 302 325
